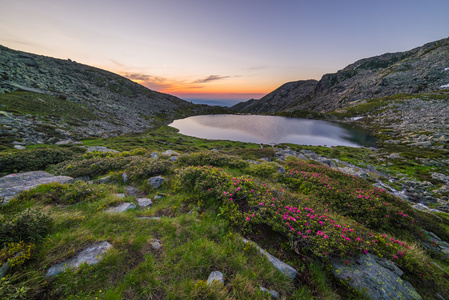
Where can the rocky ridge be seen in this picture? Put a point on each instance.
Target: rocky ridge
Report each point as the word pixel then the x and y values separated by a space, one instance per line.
pixel 419 70
pixel 111 104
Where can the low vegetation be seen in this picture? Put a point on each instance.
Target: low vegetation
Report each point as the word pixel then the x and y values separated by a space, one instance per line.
pixel 307 216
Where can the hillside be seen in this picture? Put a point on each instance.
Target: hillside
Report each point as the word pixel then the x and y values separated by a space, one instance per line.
pixel 162 215
pixel 48 100
pixel 419 70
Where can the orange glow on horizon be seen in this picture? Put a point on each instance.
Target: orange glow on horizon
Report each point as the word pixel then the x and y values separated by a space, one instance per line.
pixel 212 91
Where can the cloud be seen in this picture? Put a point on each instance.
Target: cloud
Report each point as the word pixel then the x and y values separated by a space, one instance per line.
pixel 160 84
pixel 211 78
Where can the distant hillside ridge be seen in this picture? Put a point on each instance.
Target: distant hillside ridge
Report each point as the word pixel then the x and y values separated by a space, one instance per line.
pixel 419 70
pixel 121 105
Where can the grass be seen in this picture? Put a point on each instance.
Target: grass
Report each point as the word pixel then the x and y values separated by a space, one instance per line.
pixel 199 226
pixel 22 103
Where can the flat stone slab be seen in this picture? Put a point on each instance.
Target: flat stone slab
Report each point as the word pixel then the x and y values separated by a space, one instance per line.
pixel 91 255
pixel 122 207
pixel 215 276
pixel 284 268
pixel 13 184
pixel 144 202
pixel 375 278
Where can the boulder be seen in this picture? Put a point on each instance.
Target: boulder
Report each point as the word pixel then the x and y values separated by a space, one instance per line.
pixel 156 181
pixel 156 244
pixel 122 207
pixel 131 191
pixel 435 244
pixel 19 147
pixel 274 294
pixel 374 277
pixel 91 255
pixel 105 179
pixel 280 169
pixel 13 184
pixel 215 276
pixel 144 202
pixel 170 153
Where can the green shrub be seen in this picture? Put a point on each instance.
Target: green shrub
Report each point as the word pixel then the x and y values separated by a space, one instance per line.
pixel 10 291
pixel 136 166
pixel 29 225
pixel 90 167
pixel 34 159
pixel 57 193
pixel 141 167
pixel 263 170
pixel 16 254
pixel 212 158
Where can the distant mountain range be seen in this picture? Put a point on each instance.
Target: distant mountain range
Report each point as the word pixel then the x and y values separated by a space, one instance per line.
pixel 419 70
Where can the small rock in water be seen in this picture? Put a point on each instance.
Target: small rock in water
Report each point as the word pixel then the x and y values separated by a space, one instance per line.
pixel 215 276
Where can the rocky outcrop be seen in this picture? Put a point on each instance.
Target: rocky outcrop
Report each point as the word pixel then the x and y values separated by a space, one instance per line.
pixel 281 266
pixel 419 70
pixel 13 184
pixel 91 255
pixel 374 277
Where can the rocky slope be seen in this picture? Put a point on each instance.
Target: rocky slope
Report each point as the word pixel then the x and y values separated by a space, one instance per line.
pixel 280 99
pixel 116 105
pixel 419 70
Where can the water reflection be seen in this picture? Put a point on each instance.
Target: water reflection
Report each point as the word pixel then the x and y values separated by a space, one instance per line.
pixel 272 130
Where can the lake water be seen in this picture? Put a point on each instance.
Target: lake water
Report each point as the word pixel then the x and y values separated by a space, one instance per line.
pixel 272 130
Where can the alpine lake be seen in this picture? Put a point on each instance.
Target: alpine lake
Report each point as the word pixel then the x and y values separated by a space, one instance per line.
pixel 273 130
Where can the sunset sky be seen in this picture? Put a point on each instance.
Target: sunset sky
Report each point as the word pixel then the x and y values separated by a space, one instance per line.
pixel 220 50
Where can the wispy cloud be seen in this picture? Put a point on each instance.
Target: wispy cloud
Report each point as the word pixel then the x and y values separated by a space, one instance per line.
pixel 159 83
pixel 211 78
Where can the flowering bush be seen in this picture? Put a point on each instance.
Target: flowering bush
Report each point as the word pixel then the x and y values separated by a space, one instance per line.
pixel 308 223
pixel 16 253
pixel 356 198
